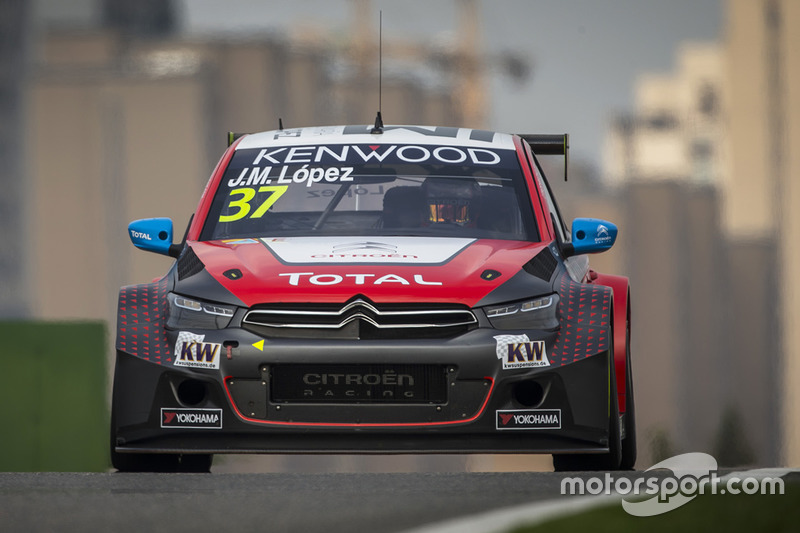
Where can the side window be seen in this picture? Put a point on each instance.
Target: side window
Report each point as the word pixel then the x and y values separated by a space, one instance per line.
pixel 551 206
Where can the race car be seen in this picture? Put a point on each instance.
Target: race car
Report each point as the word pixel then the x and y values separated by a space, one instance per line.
pixel 359 289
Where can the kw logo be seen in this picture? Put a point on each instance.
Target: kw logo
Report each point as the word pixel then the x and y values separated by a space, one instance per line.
pixel 199 352
pixel 518 351
pixel 191 351
pixel 522 352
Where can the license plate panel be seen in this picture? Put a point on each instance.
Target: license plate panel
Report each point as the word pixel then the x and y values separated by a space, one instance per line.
pixel 358 383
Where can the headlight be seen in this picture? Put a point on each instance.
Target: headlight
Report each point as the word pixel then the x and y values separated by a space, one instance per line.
pixel 537 313
pixel 186 313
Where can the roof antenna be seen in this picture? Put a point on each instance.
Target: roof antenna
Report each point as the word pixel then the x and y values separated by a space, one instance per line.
pixel 280 123
pixel 378 127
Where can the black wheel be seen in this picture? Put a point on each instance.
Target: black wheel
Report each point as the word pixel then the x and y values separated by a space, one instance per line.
pixel 196 462
pixel 596 462
pixel 137 462
pixel 157 462
pixel 629 442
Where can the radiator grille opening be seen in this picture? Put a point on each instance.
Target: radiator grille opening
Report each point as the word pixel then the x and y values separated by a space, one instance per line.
pixel 359 319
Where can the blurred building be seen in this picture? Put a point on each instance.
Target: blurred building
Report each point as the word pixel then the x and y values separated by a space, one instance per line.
pixel 677 129
pixel 777 38
pixel 663 161
pixel 109 139
pixel 702 168
pixel 122 126
pixel 15 23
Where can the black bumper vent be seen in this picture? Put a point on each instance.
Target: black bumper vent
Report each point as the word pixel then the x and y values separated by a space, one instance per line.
pixel 189 264
pixel 543 265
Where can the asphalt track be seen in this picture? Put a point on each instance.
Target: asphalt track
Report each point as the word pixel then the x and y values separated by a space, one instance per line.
pixel 463 502
pixel 280 502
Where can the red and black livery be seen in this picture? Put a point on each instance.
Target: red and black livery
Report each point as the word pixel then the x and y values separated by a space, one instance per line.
pixel 406 290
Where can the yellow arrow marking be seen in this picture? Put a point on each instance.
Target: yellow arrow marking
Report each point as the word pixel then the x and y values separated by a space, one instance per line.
pixel 259 345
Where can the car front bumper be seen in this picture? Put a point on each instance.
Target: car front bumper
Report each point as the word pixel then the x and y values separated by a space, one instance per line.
pixel 162 408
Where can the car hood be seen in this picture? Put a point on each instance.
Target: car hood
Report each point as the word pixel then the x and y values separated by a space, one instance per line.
pixel 335 269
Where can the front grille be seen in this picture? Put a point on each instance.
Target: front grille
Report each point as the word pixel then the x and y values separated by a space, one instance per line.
pixel 358 319
pixel 375 383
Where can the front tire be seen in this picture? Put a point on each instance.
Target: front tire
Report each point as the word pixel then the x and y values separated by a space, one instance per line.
pixel 161 462
pixel 629 442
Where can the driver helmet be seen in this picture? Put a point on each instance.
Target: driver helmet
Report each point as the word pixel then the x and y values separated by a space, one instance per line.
pixel 452 200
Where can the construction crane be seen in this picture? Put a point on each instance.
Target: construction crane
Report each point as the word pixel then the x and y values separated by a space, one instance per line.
pixel 462 61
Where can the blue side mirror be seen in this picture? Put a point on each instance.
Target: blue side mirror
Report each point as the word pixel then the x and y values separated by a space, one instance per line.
pixel 152 235
pixel 591 236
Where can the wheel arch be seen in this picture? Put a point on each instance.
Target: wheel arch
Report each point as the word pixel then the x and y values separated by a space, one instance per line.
pixel 621 319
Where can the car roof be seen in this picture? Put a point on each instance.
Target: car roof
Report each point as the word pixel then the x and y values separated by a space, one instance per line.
pixel 423 135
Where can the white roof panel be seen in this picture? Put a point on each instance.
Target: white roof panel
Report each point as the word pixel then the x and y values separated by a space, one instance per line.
pixel 422 135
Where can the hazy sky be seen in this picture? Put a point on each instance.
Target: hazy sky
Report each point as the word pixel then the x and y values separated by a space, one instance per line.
pixel 586 53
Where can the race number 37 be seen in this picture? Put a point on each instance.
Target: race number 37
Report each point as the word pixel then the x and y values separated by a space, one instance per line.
pixel 241 198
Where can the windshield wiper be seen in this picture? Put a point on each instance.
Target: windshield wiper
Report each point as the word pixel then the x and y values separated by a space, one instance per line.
pixel 332 205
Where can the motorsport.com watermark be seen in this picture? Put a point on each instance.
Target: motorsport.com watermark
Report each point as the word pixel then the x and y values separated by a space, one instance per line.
pixel 693 474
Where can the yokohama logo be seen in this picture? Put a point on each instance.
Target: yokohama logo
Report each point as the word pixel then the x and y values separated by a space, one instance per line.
pixel 529 419
pixel 191 418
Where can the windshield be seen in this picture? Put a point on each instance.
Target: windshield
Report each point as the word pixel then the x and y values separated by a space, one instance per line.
pixel 372 190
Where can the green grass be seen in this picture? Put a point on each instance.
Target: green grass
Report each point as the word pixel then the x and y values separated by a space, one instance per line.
pixel 53 414
pixel 726 513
